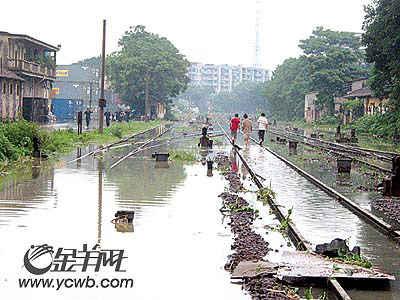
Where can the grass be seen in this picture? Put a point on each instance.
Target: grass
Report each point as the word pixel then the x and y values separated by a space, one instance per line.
pixel 233 209
pixel 16 144
pixel 182 156
pixel 16 138
pixel 303 124
pixel 266 194
pixel 353 259
pixel 62 141
pixel 309 296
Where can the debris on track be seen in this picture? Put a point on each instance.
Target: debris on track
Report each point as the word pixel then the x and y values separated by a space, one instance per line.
pixel 248 245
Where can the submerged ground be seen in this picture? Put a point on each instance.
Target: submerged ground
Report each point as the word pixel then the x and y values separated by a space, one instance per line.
pixel 179 242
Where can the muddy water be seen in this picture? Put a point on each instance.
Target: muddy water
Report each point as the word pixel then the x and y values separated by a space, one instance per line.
pixel 176 248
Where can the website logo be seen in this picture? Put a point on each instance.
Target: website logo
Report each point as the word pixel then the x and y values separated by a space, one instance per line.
pixel 41 259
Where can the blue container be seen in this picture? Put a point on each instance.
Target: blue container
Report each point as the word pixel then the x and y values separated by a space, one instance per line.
pixel 66 109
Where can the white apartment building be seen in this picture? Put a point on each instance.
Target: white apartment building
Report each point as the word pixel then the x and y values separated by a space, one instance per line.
pixel 223 78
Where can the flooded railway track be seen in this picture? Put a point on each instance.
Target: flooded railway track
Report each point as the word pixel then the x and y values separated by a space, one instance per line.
pixel 336 150
pixel 379 154
pixel 294 234
pixel 384 251
pixel 388 229
pixel 365 214
pixel 388 154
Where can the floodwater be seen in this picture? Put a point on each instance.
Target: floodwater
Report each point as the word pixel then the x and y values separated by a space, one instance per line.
pixel 320 219
pixel 364 140
pixel 359 185
pixel 179 241
pixel 176 248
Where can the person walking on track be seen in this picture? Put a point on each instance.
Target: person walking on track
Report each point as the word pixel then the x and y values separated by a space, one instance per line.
pixel 262 127
pixel 87 115
pixel 107 114
pixel 234 127
pixel 247 128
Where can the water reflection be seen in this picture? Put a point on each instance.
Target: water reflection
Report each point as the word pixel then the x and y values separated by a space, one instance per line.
pixel 171 206
pixel 78 155
pixel 292 152
pixel 234 161
pixel 162 165
pixel 120 227
pixel 25 188
pixel 100 167
pixel 203 156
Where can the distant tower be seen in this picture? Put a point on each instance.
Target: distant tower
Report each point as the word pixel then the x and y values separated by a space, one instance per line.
pixel 257 58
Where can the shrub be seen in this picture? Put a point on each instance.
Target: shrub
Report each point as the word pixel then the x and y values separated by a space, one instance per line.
pixel 328 120
pixel 116 131
pixel 7 150
pixel 380 125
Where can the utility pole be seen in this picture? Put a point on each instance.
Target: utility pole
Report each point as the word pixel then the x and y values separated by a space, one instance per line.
pixel 147 104
pixel 102 101
pixel 257 48
pixel 90 95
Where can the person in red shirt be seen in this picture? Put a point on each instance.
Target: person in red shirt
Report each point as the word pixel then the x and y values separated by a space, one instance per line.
pixel 234 127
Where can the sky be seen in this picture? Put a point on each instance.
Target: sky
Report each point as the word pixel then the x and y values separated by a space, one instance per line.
pixel 206 31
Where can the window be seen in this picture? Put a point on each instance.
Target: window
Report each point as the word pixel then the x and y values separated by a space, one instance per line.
pixel 4 88
pixel 11 88
pixel 17 88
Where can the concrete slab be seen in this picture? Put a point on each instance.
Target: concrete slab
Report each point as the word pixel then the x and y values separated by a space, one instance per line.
pixel 253 268
pixel 307 265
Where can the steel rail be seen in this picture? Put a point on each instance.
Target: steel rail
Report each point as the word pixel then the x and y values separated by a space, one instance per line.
pixel 139 148
pixel 293 233
pixel 217 134
pixel 335 152
pixel 365 214
pixel 361 151
pixel 114 144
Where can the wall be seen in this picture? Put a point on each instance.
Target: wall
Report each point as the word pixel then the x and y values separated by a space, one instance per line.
pixel 10 99
pixel 359 84
pixel 310 111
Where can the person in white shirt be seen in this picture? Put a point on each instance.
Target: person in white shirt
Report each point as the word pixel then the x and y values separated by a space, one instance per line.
pixel 262 127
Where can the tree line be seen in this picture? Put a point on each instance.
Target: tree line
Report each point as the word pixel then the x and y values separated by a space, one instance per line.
pixel 329 60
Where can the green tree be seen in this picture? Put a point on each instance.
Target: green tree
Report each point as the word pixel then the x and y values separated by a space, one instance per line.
pixel 246 97
pixel 333 59
pixel 287 90
pixel 198 95
pixel 92 61
pixel 382 41
pixel 126 68
pixel 330 60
